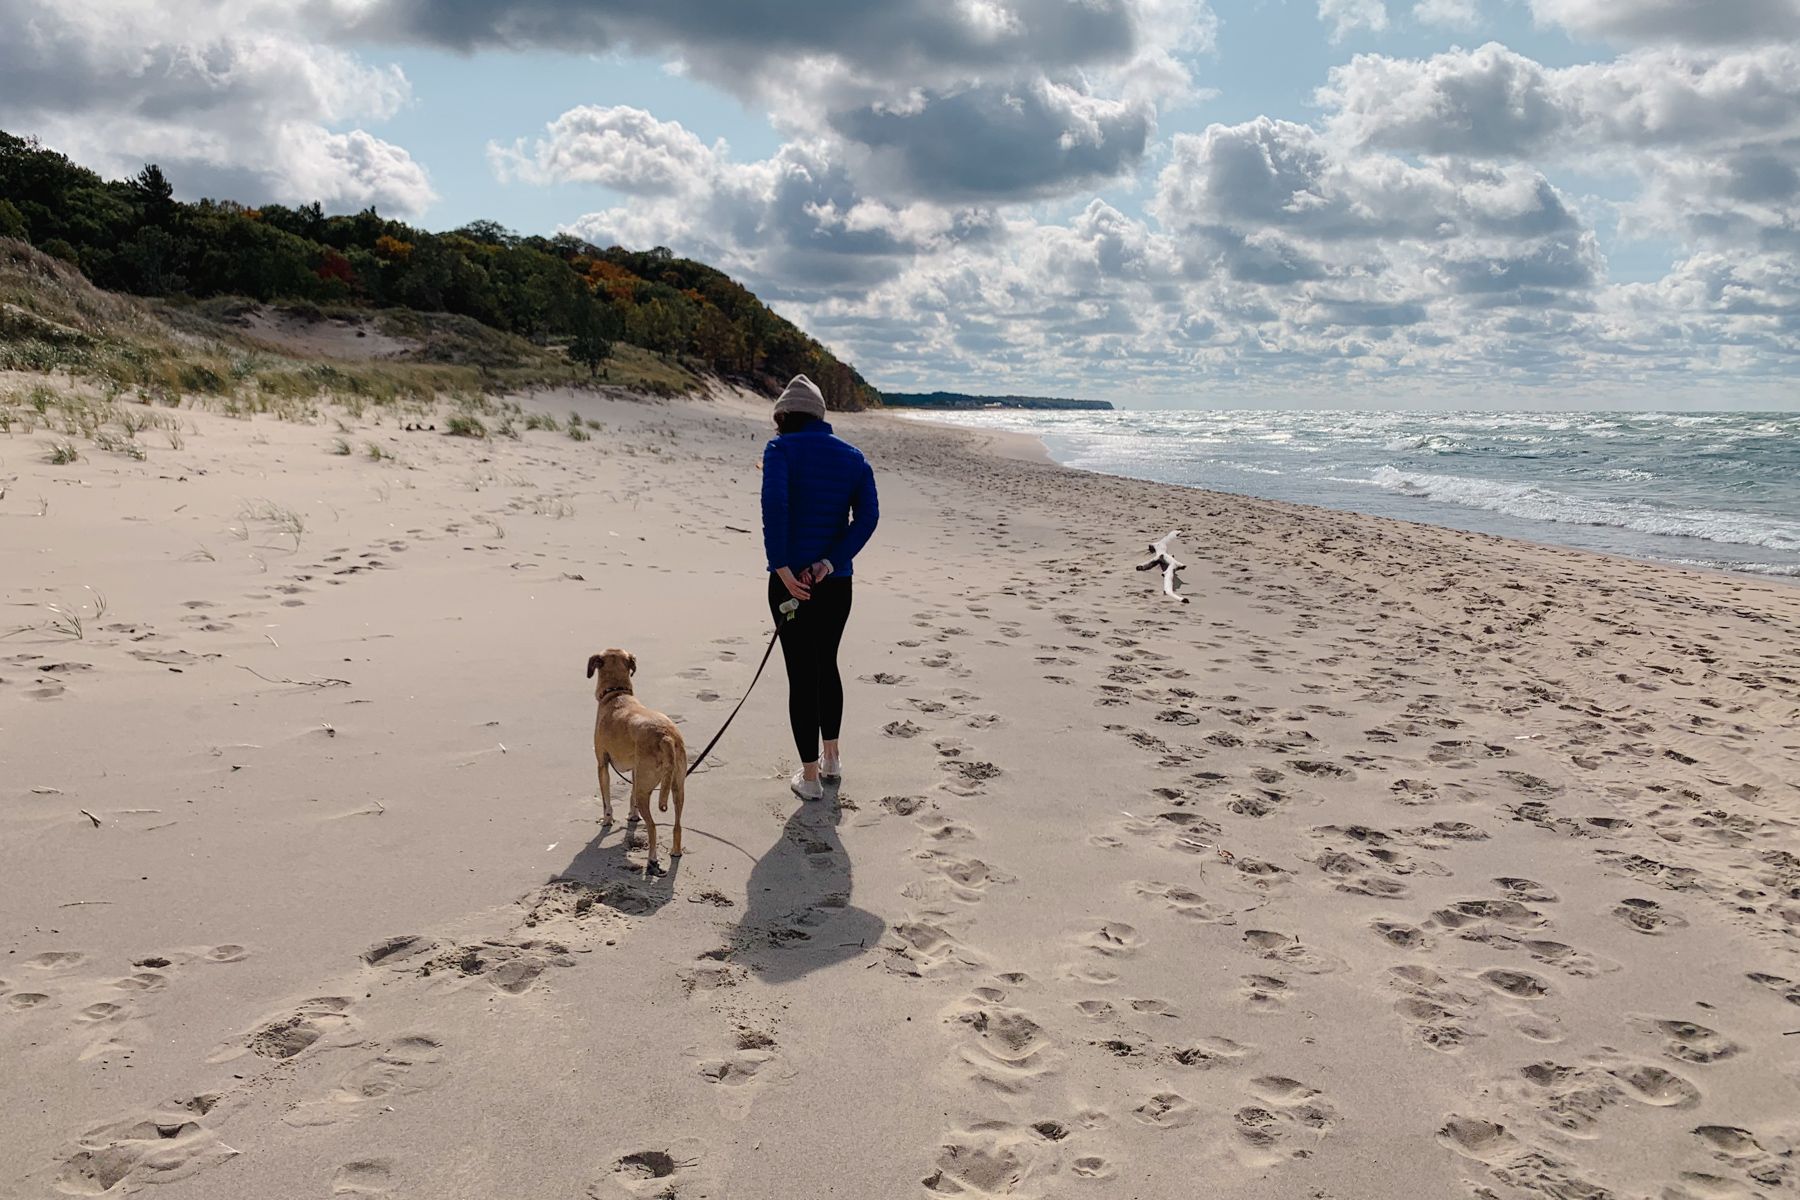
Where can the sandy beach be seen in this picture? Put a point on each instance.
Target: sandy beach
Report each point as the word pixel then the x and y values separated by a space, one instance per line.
pixel 1400 862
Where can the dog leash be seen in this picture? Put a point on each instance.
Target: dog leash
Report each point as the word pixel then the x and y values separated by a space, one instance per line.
pixel 787 609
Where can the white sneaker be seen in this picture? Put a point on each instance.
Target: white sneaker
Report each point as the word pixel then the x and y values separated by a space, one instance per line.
pixel 806 789
pixel 831 769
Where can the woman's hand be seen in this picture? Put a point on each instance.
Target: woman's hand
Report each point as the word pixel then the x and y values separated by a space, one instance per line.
pixel 818 571
pixel 797 588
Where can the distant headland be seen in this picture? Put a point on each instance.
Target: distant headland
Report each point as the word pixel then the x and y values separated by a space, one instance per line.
pixel 959 400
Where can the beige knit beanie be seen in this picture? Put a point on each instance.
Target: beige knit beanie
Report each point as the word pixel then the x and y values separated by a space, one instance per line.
pixel 801 395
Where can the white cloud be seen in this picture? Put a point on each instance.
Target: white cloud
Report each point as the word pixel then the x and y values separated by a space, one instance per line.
pixel 224 99
pixel 931 210
pixel 978 99
pixel 1492 101
pixel 1347 16
pixel 1041 138
pixel 1713 139
pixel 795 223
pixel 621 147
pixel 1451 14
pixel 1680 22
pixel 1288 258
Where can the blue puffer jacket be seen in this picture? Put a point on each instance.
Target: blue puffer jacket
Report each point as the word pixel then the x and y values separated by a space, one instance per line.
pixel 818 500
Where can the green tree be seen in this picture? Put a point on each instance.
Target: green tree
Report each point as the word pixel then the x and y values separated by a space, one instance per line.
pixel 595 329
pixel 133 234
pixel 155 193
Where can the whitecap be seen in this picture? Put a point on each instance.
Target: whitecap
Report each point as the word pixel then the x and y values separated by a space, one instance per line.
pixel 1535 503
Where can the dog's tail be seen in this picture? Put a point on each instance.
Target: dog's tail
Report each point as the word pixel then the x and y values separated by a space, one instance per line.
pixel 675 781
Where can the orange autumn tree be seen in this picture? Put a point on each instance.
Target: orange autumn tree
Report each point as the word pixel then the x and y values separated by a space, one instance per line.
pixel 393 249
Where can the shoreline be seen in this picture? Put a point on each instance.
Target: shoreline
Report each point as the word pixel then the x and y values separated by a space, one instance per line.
pixel 1034 448
pixel 1007 443
pixel 1287 885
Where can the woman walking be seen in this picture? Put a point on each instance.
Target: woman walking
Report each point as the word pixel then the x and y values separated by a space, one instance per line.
pixel 819 509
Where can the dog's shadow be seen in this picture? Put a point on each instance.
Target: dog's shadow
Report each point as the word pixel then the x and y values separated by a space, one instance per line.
pixel 608 862
pixel 798 918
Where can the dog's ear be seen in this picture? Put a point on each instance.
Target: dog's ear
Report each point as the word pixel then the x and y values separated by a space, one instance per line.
pixel 593 664
pixel 631 664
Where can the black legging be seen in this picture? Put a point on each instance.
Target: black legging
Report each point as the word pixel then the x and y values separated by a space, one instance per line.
pixel 809 644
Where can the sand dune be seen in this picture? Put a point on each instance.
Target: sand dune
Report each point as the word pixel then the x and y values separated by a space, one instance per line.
pixel 1400 862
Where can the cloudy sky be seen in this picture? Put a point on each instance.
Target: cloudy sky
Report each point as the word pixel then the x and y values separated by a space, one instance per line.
pixel 1540 203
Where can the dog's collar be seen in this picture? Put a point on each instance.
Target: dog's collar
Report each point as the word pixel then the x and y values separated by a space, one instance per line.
pixel 616 691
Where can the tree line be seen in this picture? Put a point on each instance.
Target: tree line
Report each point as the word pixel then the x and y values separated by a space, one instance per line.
pixel 132 235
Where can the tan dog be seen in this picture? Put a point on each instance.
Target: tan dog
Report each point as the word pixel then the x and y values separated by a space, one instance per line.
pixel 639 740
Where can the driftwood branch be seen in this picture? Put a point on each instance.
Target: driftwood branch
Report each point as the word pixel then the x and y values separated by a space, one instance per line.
pixel 1168 564
pixel 320 682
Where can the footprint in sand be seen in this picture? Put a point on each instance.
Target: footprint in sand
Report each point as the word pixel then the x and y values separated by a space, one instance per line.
pixel 288 1036
pixel 1351 874
pixel 1476 1138
pixel 1114 939
pixel 1264 802
pixel 1265 994
pixel 1525 890
pixel 1290 951
pixel 364 1177
pixel 1563 957
pixel 1520 985
pixel 1656 1086
pixel 993 1160
pixel 410 1063
pixel 943 830
pixel 510 967
pixel 56 960
pixel 1688 1041
pixel 968 776
pixel 1413 791
pixel 1091 1166
pixel 1647 916
pixel 1210 1052
pixel 1186 902
pixel 1440 1013
pixel 674 1171
pixel 1286 1120
pixel 1464 754
pixel 966 879
pixel 926 949
pixel 741 1075
pixel 1402 935
pixel 1005 1050
pixel 159 1145
pixel 1786 988
pixel 1475 920
pixel 1322 770
pixel 1165 1110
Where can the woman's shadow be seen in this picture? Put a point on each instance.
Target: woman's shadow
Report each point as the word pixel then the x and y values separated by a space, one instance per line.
pixel 798 917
